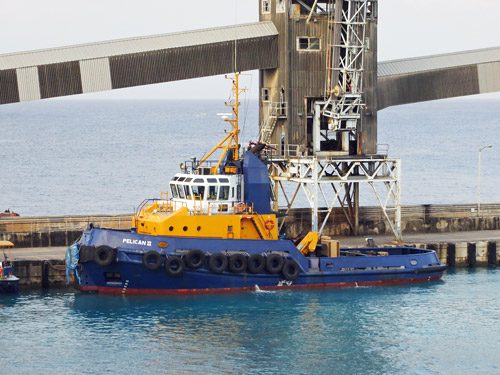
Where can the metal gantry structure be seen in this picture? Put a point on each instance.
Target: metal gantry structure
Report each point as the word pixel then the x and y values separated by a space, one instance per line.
pixel 329 165
pixel 327 181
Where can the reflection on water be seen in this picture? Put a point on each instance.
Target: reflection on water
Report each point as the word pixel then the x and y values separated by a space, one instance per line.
pixel 444 327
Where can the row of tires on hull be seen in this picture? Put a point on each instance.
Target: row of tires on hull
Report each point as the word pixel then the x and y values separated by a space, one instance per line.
pixel 217 263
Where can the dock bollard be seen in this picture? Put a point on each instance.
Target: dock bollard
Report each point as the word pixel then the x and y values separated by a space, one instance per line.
pixel 450 256
pixel 45 274
pixel 492 253
pixel 471 254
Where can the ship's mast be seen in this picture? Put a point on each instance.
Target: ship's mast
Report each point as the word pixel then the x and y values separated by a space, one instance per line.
pixel 230 141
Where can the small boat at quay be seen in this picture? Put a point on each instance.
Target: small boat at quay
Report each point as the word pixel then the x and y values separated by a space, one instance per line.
pixel 214 232
pixel 8 282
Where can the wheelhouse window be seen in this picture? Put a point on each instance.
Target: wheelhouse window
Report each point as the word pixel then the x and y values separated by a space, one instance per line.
pixel 212 193
pixel 181 191
pixel 173 190
pixel 187 190
pixel 224 193
pixel 198 191
pixel 308 44
pixel 266 6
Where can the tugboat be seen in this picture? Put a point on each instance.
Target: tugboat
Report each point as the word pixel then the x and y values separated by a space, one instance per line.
pixel 216 233
pixel 8 282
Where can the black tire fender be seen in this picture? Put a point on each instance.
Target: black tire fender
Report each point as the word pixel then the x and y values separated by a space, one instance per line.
pixel 194 259
pixel 174 265
pixel 87 253
pixel 256 263
pixel 237 263
pixel 291 269
pixel 217 262
pixel 151 260
pixel 104 255
pixel 274 263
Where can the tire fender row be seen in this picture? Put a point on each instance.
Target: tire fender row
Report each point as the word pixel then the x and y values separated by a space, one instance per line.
pixel 175 265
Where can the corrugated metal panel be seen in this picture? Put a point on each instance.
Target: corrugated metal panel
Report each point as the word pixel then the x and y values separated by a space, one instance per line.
pixel 29 86
pixel 96 75
pixel 8 87
pixel 436 62
pixel 424 86
pixel 192 62
pixel 489 77
pixel 60 79
pixel 137 45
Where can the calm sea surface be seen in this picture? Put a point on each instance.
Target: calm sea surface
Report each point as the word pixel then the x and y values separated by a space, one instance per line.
pixel 446 327
pixel 85 157
pixel 64 156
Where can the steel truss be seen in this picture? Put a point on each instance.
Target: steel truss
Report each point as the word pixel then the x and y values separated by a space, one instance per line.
pixel 315 176
pixel 345 63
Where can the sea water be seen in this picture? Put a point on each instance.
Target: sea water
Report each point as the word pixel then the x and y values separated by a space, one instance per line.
pixel 71 157
pixel 445 327
pixel 86 157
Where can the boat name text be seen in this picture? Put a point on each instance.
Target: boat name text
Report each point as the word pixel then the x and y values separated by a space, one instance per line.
pixel 136 242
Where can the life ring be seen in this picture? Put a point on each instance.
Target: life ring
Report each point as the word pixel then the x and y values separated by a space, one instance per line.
pixel 151 260
pixel 269 224
pixel 256 263
pixel 237 263
pixel 174 265
pixel 240 207
pixel 217 262
pixel 291 270
pixel 194 259
pixel 104 255
pixel 274 263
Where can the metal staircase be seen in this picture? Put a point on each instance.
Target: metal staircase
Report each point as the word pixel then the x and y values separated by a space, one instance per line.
pixel 275 111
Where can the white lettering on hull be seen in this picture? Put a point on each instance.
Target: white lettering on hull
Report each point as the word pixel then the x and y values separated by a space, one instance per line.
pixel 129 241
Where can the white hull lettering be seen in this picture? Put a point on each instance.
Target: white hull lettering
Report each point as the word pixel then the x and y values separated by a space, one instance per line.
pixel 129 241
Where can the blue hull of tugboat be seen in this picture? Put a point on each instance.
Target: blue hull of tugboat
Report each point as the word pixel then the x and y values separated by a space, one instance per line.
pixel 128 275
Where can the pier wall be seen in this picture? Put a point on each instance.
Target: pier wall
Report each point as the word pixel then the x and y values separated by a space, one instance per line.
pixel 55 230
pixel 41 273
pixel 429 218
pixel 465 254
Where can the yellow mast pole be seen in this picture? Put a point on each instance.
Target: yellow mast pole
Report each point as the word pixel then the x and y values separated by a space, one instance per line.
pixel 236 110
pixel 233 135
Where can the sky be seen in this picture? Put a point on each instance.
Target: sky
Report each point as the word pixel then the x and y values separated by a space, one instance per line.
pixel 407 28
